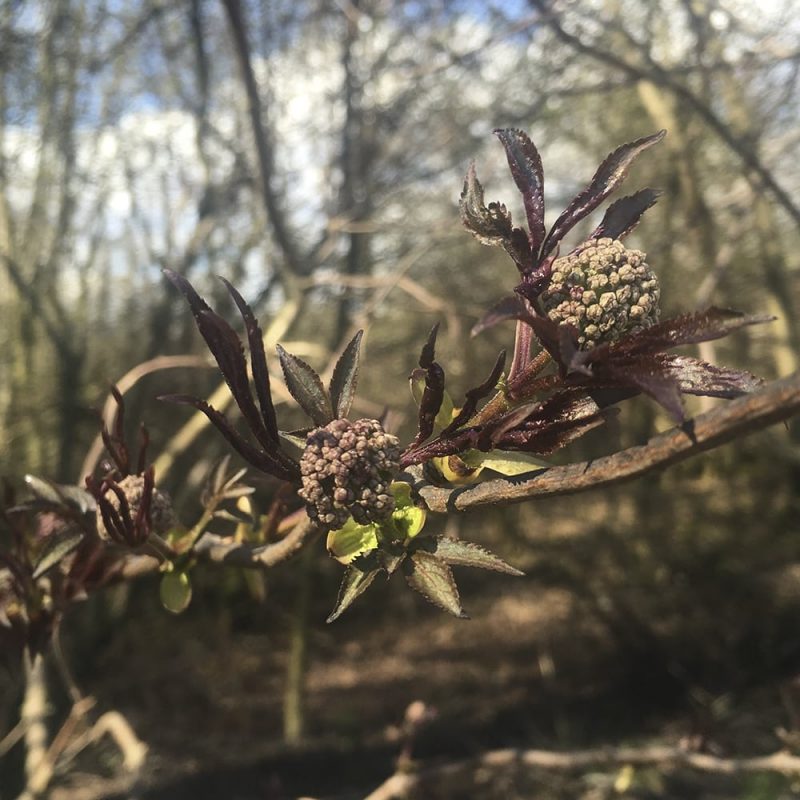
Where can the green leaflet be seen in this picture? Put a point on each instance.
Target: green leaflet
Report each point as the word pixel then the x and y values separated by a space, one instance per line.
pixel 352 540
pixel 175 591
pixel 505 462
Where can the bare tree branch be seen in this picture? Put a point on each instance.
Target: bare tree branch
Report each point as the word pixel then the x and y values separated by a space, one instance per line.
pixel 777 401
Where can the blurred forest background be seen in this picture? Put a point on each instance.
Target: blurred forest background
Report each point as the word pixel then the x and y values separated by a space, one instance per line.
pixel 665 608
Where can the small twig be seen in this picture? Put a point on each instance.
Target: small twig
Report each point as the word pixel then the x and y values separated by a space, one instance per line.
pixel 777 401
pixel 401 784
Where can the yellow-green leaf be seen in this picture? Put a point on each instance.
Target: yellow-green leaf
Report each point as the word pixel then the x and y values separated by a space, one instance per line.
pixel 351 541
pixel 176 591
pixel 407 518
pixel 506 462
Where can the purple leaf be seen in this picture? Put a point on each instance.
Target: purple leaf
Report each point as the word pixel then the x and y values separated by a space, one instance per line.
pixel 306 387
pixel 651 377
pixel 691 328
pixel 432 578
pixel 697 377
pixel 526 169
pixel 511 307
pixel 624 215
pixel 609 175
pixel 433 394
pixel 228 352
pixel 258 359
pixel 345 377
pixel 473 396
pixel 277 464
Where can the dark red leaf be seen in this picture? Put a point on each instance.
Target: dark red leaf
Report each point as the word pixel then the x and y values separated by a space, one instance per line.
pixel 433 394
pixel 526 169
pixel 609 175
pixel 691 328
pixel 624 215
pixel 258 359
pixel 277 463
pixel 511 307
pixel 697 377
pixel 474 396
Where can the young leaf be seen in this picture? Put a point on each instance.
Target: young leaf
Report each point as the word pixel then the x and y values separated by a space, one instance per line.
pixel 432 578
pixel 352 540
pixel 175 591
pixel 258 360
pixel 306 387
pixel 526 169
pixel 345 377
pixel 624 215
pixel 474 396
pixel 492 225
pixel 466 554
pixel 433 394
pixel 508 463
pixel 511 307
pixel 57 547
pixel 407 518
pixel 274 463
pixel 354 583
pixel 609 175
pixel 445 415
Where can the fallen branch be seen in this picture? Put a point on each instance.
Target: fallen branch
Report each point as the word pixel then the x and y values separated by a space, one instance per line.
pixel 401 785
pixel 776 402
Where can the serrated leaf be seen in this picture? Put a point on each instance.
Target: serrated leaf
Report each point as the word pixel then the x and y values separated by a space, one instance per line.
pixel 609 175
pixel 352 540
pixel 526 169
pixel 697 377
pixel 345 377
pixel 503 462
pixel 691 328
pixel 624 215
pixel 57 547
pixel 354 583
pixel 306 387
pixel 467 554
pixel 175 591
pixel 433 579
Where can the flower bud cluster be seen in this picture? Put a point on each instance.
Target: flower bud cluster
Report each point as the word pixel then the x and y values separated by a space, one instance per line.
pixel 347 468
pixel 603 290
pixel 162 517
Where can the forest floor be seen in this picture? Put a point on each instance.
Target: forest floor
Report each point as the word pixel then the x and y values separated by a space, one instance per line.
pixel 530 670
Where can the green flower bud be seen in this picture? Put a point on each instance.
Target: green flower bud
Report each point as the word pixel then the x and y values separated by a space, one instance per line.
pixel 603 290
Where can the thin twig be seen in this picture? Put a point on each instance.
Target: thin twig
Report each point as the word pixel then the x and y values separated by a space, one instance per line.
pixel 401 784
pixel 777 401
